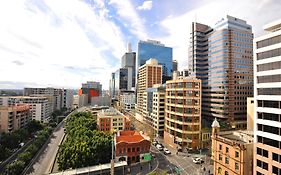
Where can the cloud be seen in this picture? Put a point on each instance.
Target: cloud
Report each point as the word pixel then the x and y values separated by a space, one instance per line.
pixel 48 36
pixel 256 13
pixel 18 63
pixel 130 18
pixel 147 5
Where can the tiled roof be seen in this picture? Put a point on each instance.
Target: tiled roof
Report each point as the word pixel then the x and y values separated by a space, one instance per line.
pixel 129 137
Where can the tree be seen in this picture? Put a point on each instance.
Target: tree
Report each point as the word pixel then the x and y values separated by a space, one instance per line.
pixel 15 168
pixel 25 157
pixel 34 126
pixel 84 144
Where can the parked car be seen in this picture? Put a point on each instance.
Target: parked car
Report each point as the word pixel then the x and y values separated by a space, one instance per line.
pixel 166 151
pixel 159 147
pixel 197 160
pixel 154 143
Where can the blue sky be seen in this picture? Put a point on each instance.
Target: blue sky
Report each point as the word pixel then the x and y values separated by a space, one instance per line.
pixel 63 43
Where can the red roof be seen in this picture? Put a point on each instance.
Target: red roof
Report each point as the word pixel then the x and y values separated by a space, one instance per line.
pixel 129 137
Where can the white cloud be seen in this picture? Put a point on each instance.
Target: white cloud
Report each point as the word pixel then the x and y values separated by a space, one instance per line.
pixel 256 13
pixel 130 18
pixel 47 36
pixel 147 5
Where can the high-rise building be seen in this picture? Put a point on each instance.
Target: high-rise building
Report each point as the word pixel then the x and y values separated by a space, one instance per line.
pixel 128 60
pixel 267 101
pixel 232 151
pixel 127 100
pixel 222 58
pixel 14 117
pixel 154 102
pixel 123 80
pixel 154 49
pixel 175 65
pixel 112 85
pixel 67 98
pixel 183 113
pixel 40 107
pixel 90 89
pixel 149 74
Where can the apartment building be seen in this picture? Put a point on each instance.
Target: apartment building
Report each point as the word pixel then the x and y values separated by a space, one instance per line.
pixel 40 107
pixel 111 119
pixel 232 151
pixel 183 112
pixel 149 74
pixel 222 57
pixel 267 100
pixel 154 104
pixel 14 117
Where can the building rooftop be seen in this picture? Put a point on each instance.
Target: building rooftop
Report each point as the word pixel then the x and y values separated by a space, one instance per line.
pixel 238 136
pixel 129 137
pixel 273 26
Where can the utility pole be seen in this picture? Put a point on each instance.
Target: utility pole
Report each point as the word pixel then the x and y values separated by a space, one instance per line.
pixel 112 156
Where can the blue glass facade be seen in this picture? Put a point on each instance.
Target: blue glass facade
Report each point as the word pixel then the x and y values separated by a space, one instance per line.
pixel 163 54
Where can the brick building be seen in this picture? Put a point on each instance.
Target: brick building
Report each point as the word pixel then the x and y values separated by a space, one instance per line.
pixel 131 146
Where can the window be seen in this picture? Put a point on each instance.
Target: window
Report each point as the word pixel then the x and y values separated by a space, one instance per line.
pixel 225 173
pixel 219 170
pixel 226 160
pixel 133 149
pixel 138 149
pixel 276 170
pixel 129 150
pixel 220 147
pixel 236 154
pixel 236 166
pixel 227 150
pixel 220 157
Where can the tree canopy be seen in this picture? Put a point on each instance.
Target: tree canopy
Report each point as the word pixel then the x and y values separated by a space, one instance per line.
pixel 84 145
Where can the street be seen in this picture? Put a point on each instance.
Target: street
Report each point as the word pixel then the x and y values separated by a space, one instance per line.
pixel 180 163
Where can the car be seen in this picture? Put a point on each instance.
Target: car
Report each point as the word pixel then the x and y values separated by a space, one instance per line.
pixel 166 151
pixel 155 143
pixel 159 147
pixel 197 160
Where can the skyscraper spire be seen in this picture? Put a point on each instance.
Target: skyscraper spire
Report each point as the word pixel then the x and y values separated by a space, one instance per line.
pixel 129 47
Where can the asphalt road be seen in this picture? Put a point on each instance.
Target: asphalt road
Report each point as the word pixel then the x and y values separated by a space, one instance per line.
pixel 46 159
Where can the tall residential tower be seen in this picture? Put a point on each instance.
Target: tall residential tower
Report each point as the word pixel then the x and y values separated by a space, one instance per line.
pixel 267 101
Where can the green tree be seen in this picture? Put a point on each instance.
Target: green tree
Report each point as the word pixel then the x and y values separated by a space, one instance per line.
pixel 34 126
pixel 15 168
pixel 25 157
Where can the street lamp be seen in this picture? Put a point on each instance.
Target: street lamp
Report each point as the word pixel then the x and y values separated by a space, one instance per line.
pixel 112 151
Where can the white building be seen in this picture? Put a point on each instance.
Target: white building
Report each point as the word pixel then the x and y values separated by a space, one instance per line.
pixel 39 106
pixel 267 101
pixel 127 100
pixel 67 98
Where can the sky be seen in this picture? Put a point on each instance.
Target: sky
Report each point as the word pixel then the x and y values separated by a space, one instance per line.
pixel 64 43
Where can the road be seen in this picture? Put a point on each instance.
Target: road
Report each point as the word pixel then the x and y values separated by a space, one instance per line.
pixel 181 161
pixel 45 161
pixel 44 164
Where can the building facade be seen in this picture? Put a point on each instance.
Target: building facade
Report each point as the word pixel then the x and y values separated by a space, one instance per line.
pixel 183 112
pixel 267 101
pixel 127 100
pixel 14 117
pixel 111 119
pixel 154 108
pixel 131 146
pixel 232 151
pixel 128 61
pixel 40 107
pixel 89 90
pixel 149 74
pixel 222 58
pixel 154 49
pixel 250 114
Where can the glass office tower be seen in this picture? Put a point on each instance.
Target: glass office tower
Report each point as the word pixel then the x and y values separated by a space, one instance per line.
pixel 154 49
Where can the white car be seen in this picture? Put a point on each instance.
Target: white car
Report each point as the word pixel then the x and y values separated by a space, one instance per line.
pixel 166 151
pixel 159 147
pixel 197 160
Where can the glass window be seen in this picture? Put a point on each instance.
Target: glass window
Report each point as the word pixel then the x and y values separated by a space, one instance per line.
pixel 227 150
pixel 236 154
pixel 226 160
pixel 236 166
pixel 220 147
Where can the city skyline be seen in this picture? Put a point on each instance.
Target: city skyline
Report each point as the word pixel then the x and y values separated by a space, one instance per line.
pixel 47 43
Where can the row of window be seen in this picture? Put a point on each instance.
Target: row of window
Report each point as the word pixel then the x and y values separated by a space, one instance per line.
pixel 269 91
pixel 270 142
pixel 269 41
pixel 262 164
pixel 269 66
pixel 269 104
pixel 227 151
pixel 269 78
pixel 268 116
pixel 269 129
pixel 269 54
pixel 262 152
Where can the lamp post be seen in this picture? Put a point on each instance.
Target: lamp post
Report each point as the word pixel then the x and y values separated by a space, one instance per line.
pixel 112 155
